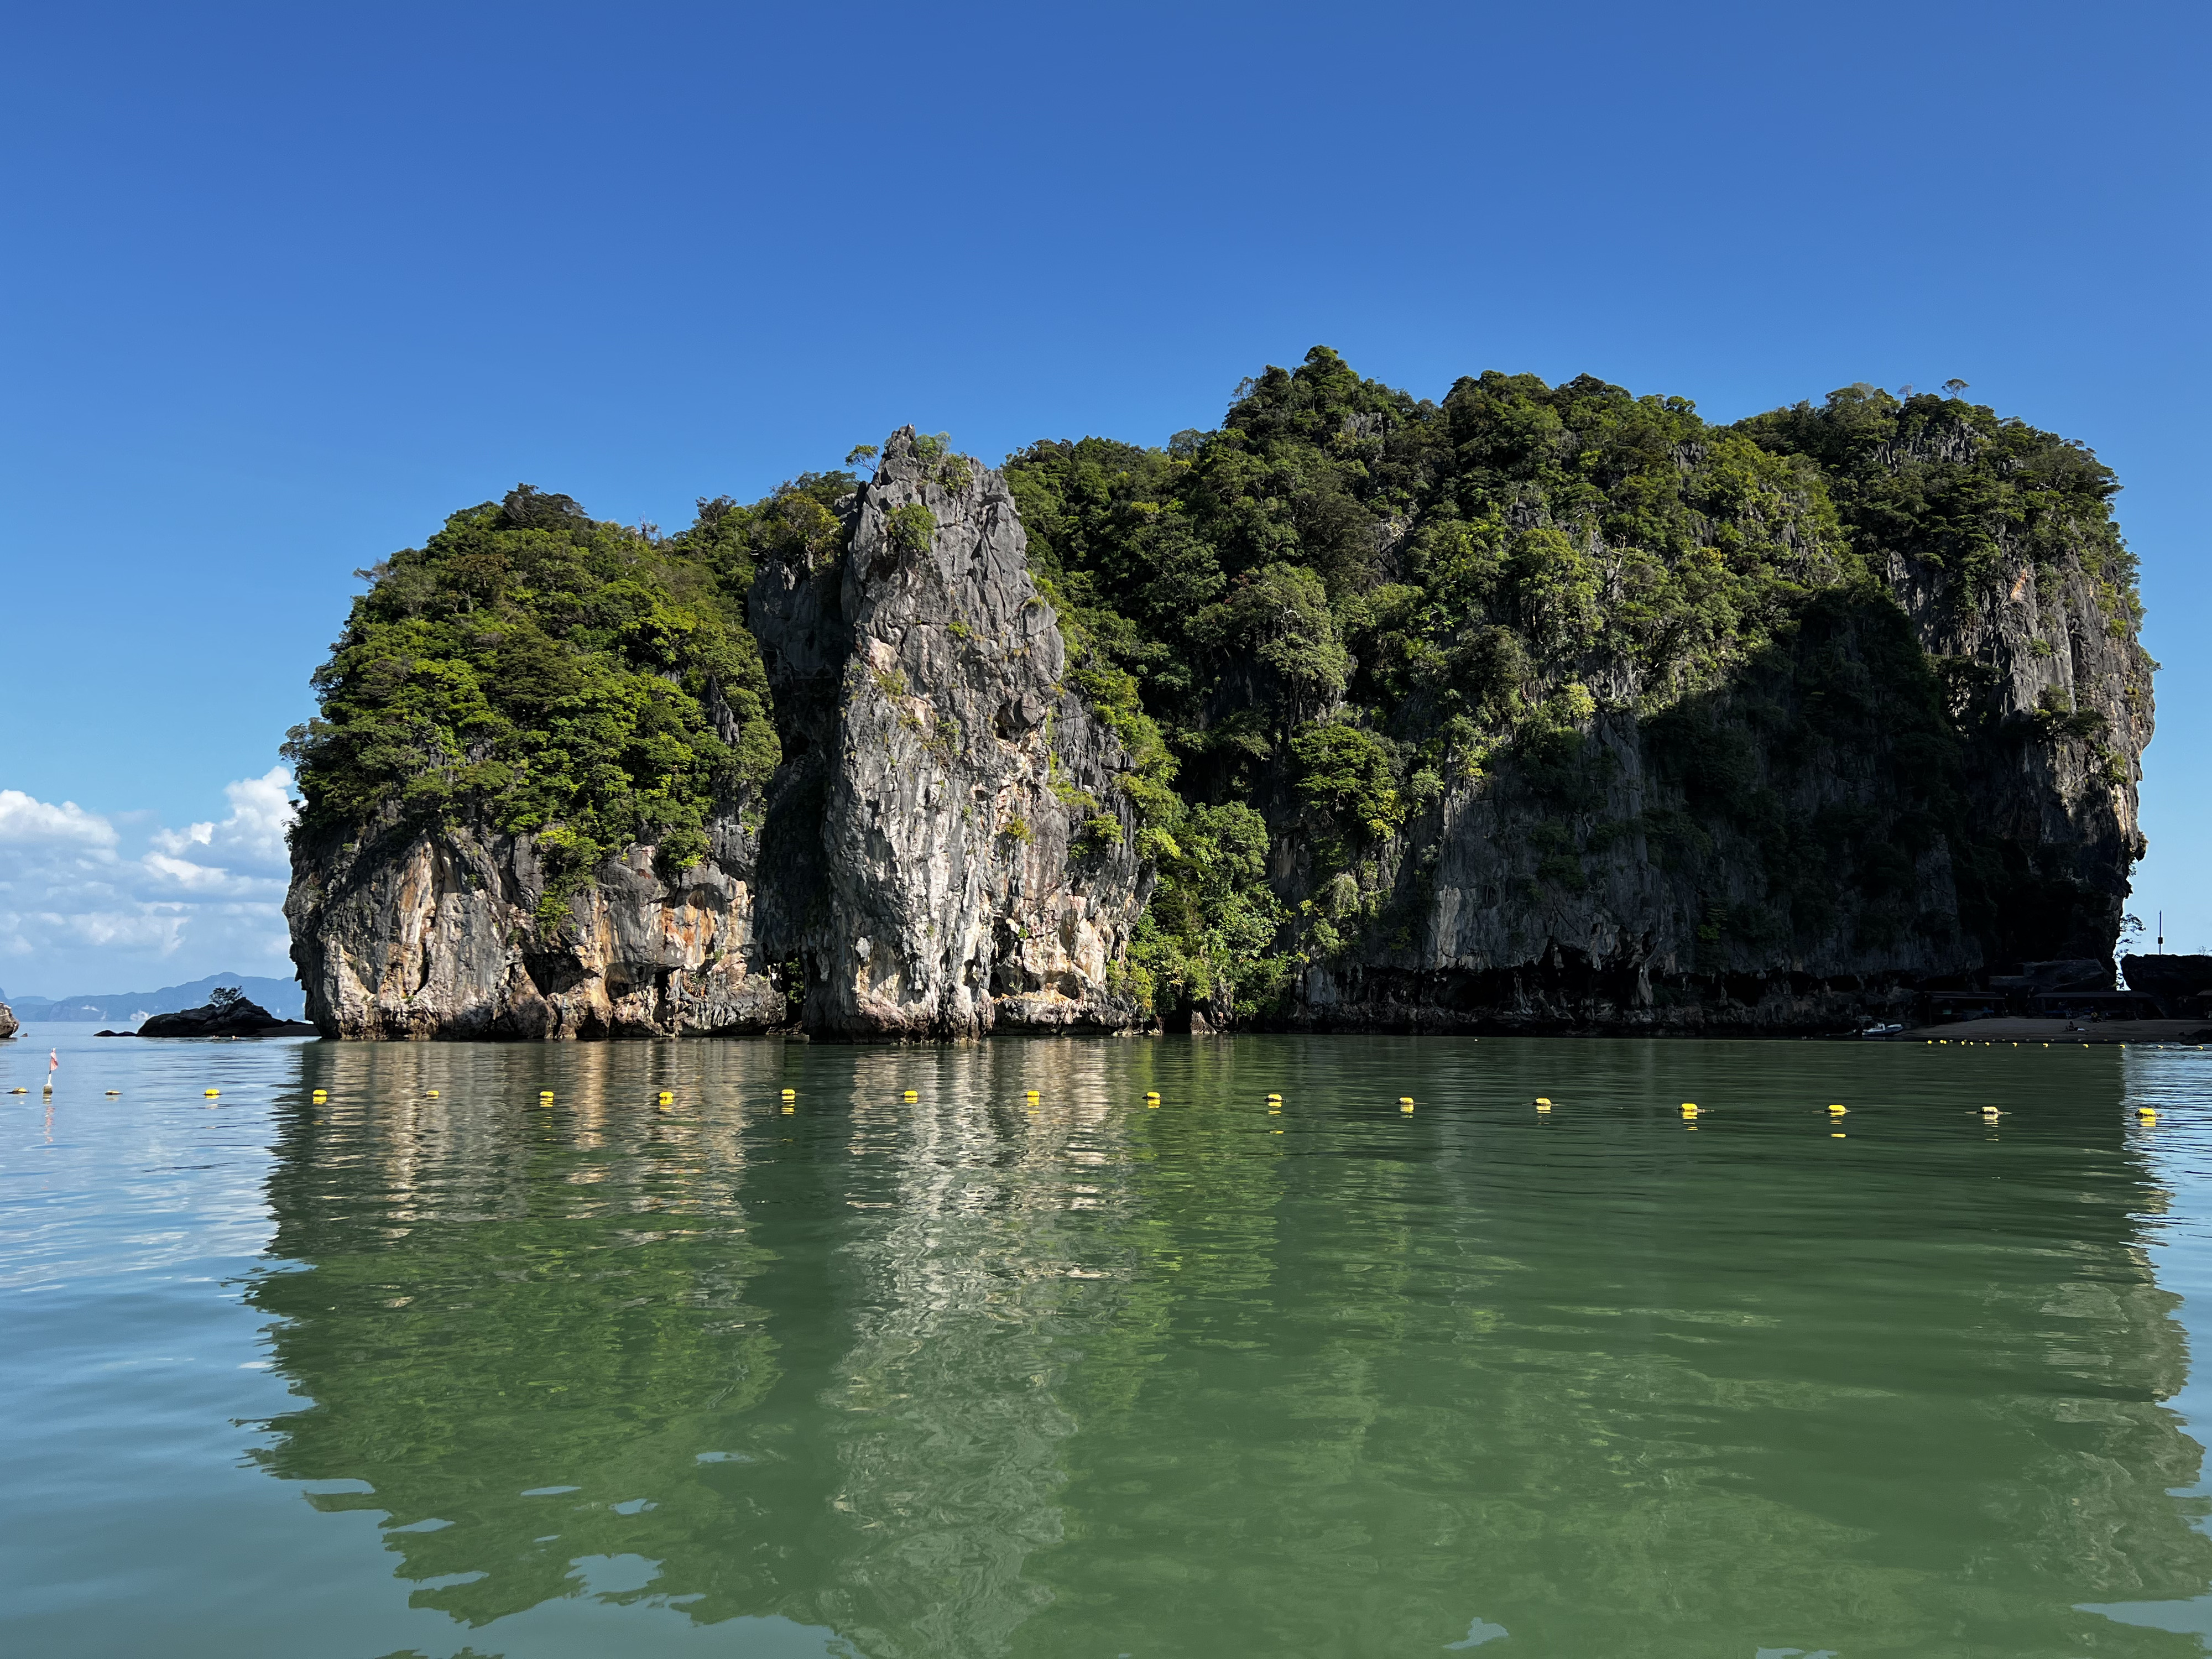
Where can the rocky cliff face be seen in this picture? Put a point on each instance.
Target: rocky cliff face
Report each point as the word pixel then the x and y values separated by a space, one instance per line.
pixel 415 931
pixel 1893 799
pixel 943 853
pixel 1540 709
pixel 8 1024
pixel 946 850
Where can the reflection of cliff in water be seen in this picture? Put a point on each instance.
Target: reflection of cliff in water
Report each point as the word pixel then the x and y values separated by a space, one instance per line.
pixel 976 1381
pixel 997 1239
pixel 1687 1398
pixel 861 1333
pixel 498 1300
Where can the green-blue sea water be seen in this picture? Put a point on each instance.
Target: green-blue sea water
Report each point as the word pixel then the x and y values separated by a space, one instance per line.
pixel 973 1375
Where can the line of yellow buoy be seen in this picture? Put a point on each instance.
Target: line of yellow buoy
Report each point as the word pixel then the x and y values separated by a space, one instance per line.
pixel 1031 1097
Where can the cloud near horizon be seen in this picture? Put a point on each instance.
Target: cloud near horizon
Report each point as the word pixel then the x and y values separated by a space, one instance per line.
pixel 78 904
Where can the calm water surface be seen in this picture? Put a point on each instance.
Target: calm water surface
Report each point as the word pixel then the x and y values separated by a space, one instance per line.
pixel 968 1377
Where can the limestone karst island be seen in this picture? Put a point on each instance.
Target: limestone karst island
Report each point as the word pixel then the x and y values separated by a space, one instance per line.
pixel 1540 709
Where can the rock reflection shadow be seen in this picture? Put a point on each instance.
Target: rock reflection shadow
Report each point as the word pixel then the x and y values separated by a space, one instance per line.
pixel 965 1375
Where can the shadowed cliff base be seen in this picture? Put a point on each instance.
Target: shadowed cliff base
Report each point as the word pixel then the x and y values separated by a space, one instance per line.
pixel 1815 844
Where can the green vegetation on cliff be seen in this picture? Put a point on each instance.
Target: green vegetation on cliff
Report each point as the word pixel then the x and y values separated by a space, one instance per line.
pixel 1953 485
pixel 1311 626
pixel 532 670
pixel 1345 600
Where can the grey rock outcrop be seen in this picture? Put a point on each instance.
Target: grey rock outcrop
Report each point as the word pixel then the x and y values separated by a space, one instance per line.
pixel 8 1026
pixel 946 849
pixel 219 1019
pixel 943 853
pixel 1896 793
pixel 1501 911
pixel 435 933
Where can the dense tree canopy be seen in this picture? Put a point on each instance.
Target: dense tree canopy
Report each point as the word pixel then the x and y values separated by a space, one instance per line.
pixel 1346 597
pixel 592 683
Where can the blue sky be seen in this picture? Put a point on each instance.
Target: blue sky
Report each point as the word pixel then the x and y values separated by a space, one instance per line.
pixel 288 284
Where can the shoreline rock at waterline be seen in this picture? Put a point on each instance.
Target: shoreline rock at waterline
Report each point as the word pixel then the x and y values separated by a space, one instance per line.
pixel 218 1019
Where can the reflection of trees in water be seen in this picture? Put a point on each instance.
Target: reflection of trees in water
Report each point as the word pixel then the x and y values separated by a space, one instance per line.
pixel 866 1307
pixel 500 1298
pixel 1342 1389
pixel 1605 1390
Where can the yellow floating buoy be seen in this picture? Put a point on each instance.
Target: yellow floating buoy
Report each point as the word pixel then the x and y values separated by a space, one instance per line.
pixel 791 1094
pixel 2146 1114
pixel 1151 1096
pixel 433 1094
pixel 1837 1109
pixel 666 1096
pixel 19 1091
pixel 1689 1109
pixel 1835 1134
pixel 114 1091
pixel 1543 1100
pixel 210 1093
pixel 1031 1094
pixel 1405 1103
pixel 1153 1103
pixel 911 1094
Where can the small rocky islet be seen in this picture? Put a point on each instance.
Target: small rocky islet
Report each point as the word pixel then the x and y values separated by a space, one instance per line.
pixel 1535 708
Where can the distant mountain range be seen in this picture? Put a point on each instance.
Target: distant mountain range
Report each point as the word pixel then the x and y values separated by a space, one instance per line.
pixel 281 997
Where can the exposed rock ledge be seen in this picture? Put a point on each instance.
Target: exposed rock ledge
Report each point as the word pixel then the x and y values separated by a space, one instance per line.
pixel 418 932
pixel 946 848
pixel 219 1019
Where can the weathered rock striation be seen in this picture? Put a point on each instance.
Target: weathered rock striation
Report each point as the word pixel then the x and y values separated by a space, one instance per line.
pixel 437 931
pixel 1661 888
pixel 946 850
pixel 942 853
pixel 1913 791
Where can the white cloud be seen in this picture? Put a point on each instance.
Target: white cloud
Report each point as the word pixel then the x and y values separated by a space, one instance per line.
pixel 252 835
pixel 80 911
pixel 25 821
